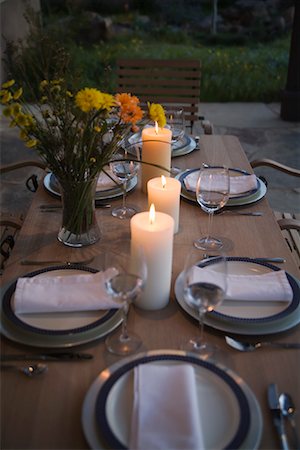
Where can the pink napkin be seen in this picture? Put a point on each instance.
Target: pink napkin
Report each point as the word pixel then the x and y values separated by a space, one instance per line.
pixel 238 185
pixel 271 286
pixel 45 294
pixel 165 409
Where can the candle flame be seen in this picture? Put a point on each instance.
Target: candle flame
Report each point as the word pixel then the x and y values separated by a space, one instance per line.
pixel 156 127
pixel 163 181
pixel 152 214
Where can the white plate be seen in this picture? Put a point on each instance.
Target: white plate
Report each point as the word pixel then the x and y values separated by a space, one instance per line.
pixel 55 329
pixel 242 317
pixel 224 392
pixel 51 186
pixel 233 201
pixel 182 147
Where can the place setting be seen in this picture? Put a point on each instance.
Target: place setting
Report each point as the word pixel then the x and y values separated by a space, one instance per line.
pixel 259 298
pixel 109 187
pixel 245 188
pixel 116 411
pixel 182 143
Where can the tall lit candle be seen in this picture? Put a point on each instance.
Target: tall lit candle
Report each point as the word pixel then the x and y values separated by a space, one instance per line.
pixel 164 193
pixel 156 150
pixel 153 231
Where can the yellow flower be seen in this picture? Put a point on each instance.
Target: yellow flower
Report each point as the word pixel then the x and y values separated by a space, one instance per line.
pixel 7 112
pixel 24 120
pixel 55 88
pixel 69 94
pixel 23 135
pixel 31 143
pixel 43 84
pixel 6 98
pixel 59 81
pixel 107 101
pixel 15 109
pixel 18 93
pixel 157 114
pixel 97 129
pixel 88 99
pixel 8 84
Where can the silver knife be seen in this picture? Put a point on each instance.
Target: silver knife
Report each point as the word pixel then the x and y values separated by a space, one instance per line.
pixel 274 260
pixel 49 356
pixel 273 400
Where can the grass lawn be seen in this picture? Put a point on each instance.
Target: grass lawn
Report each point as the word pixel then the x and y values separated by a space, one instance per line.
pixel 229 73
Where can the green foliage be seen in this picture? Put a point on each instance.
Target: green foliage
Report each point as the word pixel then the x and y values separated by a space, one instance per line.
pixel 228 73
pixel 252 72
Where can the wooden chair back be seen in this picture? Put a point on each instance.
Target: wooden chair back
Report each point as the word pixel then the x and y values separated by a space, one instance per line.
pixel 172 82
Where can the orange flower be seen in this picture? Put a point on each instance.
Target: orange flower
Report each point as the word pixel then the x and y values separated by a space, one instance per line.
pixel 130 111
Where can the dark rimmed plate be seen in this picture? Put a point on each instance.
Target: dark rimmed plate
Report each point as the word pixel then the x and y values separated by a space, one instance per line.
pixel 183 146
pixel 241 317
pixel 190 194
pixel 51 185
pixel 86 322
pixel 229 404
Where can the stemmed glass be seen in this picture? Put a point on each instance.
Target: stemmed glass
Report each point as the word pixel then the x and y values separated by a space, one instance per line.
pixel 203 289
pixel 175 122
pixel 125 285
pixel 125 166
pixel 212 193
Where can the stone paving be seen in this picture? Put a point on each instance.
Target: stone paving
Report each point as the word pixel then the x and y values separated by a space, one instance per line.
pixel 257 125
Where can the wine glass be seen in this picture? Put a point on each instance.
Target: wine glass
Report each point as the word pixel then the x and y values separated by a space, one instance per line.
pixel 212 193
pixel 124 286
pixel 204 288
pixel 175 122
pixel 125 166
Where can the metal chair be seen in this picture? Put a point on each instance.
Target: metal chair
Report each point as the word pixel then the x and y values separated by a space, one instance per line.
pixel 289 222
pixel 10 224
pixel 171 82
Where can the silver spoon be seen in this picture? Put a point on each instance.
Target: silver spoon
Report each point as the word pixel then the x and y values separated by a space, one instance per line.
pixel 288 410
pixel 30 371
pixel 249 347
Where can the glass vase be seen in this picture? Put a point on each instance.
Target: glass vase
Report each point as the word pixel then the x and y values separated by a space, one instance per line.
pixel 79 225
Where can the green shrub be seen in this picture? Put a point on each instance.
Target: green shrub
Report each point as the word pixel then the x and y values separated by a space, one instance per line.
pixel 255 72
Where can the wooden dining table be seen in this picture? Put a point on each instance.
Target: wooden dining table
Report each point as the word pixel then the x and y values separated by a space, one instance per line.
pixel 45 412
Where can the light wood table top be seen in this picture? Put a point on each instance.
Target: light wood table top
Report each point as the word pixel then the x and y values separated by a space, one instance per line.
pixel 45 412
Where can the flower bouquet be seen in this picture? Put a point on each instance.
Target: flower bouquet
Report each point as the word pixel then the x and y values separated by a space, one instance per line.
pixel 76 134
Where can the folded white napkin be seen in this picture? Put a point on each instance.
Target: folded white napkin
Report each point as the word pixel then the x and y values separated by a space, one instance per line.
pixel 238 185
pixel 44 294
pixel 104 182
pixel 273 286
pixel 165 409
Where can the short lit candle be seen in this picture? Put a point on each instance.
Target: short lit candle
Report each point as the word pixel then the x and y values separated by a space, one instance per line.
pixel 164 193
pixel 153 231
pixel 156 150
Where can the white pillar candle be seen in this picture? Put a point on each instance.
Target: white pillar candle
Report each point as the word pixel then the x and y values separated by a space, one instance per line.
pixel 154 233
pixel 164 193
pixel 156 150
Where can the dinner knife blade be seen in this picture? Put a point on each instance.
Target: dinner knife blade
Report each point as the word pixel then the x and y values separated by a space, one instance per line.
pixel 52 356
pixel 273 400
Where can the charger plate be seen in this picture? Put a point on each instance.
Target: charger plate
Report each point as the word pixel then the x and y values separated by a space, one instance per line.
pixel 51 185
pixel 183 146
pixel 63 329
pixel 244 199
pixel 231 417
pixel 245 317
